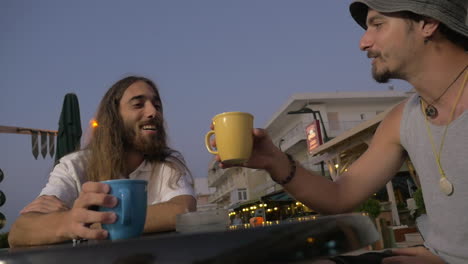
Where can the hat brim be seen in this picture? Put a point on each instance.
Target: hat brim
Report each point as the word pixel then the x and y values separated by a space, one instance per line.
pixel 359 13
pixel 359 9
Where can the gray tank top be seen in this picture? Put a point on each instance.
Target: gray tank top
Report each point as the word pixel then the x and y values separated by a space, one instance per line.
pixel 448 215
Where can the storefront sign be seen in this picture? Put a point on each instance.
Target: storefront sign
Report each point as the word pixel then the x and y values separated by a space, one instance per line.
pixel 314 135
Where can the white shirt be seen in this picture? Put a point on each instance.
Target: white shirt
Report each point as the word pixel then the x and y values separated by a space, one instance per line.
pixel 67 177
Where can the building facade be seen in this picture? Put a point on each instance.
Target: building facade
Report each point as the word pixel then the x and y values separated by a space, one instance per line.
pixel 203 193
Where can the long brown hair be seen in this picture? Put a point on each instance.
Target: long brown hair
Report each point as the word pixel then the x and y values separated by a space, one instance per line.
pixel 106 151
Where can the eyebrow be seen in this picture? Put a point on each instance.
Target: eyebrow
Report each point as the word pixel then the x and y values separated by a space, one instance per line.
pixel 138 97
pixel 373 18
pixel 143 97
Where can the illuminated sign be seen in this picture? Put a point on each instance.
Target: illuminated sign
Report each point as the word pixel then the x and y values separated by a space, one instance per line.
pixel 314 135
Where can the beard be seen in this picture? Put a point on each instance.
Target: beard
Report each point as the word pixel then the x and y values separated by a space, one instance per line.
pixel 149 145
pixel 382 76
pixel 383 73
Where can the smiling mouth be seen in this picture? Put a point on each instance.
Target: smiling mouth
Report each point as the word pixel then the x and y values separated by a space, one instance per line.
pixel 149 127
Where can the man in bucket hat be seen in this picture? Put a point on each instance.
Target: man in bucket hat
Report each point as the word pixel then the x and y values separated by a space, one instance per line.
pixel 423 42
pixel 431 55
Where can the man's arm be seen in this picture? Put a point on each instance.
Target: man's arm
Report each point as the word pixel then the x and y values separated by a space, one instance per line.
pixel 367 175
pixel 45 204
pixel 37 211
pixel 413 255
pixel 34 228
pixel 162 216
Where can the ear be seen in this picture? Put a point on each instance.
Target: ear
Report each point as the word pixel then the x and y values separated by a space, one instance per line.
pixel 429 27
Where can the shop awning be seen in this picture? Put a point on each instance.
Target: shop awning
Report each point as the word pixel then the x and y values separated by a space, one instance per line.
pixel 238 205
pixel 278 196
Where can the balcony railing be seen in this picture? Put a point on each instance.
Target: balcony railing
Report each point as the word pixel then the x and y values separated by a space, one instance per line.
pixel 310 166
pixel 293 136
pixel 214 176
pixel 218 194
pixel 298 132
pixel 335 129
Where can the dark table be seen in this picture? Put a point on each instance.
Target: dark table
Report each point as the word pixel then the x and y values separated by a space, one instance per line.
pixel 277 243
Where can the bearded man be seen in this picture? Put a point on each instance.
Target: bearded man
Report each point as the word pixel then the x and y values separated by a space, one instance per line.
pixel 128 143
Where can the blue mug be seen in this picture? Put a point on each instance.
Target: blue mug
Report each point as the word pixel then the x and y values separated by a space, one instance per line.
pixel 130 209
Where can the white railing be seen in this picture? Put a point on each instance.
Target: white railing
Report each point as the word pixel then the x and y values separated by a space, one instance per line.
pixel 215 176
pixel 298 132
pixel 342 127
pixel 311 167
pixel 294 135
pixel 221 191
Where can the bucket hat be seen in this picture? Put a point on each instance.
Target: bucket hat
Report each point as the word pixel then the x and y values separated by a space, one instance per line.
pixel 452 13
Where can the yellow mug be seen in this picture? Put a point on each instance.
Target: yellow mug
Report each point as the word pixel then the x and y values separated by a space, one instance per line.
pixel 234 139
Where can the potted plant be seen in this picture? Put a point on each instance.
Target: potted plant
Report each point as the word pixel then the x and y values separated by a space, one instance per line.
pixel 372 207
pixel 418 198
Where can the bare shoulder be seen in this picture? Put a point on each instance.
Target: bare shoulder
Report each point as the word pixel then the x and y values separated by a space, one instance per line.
pixel 396 112
pixel 389 129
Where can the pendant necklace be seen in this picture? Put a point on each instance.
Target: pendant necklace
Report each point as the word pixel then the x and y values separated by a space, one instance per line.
pixel 445 185
pixel 430 110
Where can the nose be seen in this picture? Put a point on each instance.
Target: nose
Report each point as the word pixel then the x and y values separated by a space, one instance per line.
pixel 150 110
pixel 366 41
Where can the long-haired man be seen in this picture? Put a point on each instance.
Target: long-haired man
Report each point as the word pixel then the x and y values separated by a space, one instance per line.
pixel 129 142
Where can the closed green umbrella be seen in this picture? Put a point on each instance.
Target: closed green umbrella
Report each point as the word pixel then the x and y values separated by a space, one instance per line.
pixel 69 132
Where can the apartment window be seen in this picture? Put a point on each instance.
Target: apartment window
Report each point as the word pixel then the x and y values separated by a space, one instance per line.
pixel 333 121
pixel 242 194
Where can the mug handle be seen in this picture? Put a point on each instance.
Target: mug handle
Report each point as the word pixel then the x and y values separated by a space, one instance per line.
pixel 125 195
pixel 207 142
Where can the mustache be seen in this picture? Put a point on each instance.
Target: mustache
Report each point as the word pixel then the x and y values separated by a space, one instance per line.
pixel 373 54
pixel 155 121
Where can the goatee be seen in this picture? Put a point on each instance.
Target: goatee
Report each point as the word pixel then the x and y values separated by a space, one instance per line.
pixel 381 77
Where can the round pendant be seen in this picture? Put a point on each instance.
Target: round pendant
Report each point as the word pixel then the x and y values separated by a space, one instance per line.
pixel 446 186
pixel 431 111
